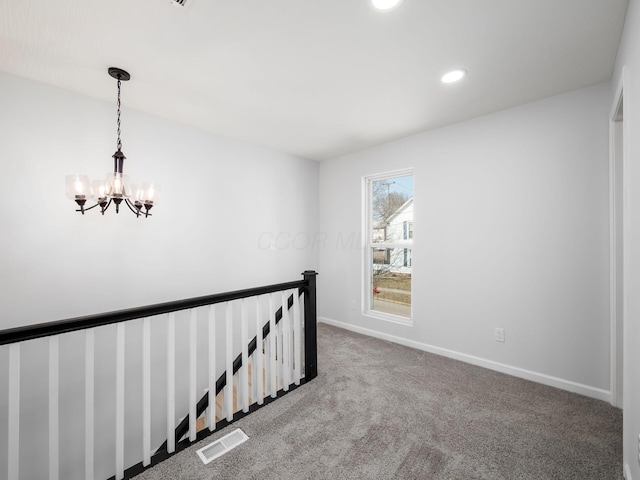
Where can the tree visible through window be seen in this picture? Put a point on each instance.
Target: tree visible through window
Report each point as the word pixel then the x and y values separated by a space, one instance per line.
pixel 389 233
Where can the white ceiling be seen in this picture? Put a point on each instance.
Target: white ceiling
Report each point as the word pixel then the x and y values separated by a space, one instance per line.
pixel 316 78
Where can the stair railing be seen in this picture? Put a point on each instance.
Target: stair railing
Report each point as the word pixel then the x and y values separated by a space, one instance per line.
pixel 283 349
pixel 183 427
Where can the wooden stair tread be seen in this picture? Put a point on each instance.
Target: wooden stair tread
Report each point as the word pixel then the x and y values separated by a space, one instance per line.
pixel 200 422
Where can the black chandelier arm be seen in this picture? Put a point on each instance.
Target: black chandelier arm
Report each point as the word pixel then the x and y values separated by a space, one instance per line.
pixel 131 207
pixel 92 206
pixel 105 205
pixel 135 209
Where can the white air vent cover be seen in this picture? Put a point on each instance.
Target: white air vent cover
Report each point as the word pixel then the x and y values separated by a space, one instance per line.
pixel 222 445
pixel 180 3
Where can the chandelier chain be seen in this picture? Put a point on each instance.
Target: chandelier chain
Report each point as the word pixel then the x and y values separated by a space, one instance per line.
pixel 119 145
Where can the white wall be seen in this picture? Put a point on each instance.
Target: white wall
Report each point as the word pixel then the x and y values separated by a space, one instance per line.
pixel 220 200
pixel 629 57
pixel 57 264
pixel 511 231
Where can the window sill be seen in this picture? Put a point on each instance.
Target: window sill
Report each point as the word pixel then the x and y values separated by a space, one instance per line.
pixel 388 317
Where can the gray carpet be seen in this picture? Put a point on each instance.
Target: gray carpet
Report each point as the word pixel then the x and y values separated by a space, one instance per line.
pixel 380 411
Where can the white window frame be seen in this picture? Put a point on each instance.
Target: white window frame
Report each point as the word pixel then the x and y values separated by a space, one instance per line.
pixel 367 270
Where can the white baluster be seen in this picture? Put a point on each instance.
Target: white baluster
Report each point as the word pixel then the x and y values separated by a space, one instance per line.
pixel 228 389
pixel 253 382
pixel 297 338
pixel 272 348
pixel 120 350
pixel 146 392
pixel 89 408
pixel 54 389
pixel 286 342
pixel 290 323
pixel 267 362
pixel 171 383
pixel 13 430
pixel 259 355
pixel 193 332
pixel 244 377
pixel 279 353
pixel 212 368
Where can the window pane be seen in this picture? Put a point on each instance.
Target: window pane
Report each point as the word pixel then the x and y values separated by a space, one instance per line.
pixel 389 228
pixel 391 281
pixel 392 209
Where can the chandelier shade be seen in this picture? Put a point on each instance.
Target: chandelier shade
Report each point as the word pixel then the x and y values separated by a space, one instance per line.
pixel 79 187
pixel 115 188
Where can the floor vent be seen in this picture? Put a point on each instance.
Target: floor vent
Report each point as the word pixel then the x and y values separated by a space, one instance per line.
pixel 222 445
pixel 180 3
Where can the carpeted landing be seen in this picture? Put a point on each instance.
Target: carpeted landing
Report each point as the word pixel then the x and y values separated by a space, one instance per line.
pixel 380 411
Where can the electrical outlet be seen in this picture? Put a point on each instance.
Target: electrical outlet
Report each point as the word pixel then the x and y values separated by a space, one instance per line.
pixel 638 448
pixel 354 305
pixel 499 334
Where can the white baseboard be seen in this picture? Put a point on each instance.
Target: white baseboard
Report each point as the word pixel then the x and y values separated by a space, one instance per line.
pixel 627 472
pixel 567 385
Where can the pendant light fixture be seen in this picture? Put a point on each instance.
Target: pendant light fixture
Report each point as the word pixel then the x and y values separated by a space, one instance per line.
pixel 115 189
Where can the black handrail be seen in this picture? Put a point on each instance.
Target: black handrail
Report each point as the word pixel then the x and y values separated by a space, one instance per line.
pixel 31 332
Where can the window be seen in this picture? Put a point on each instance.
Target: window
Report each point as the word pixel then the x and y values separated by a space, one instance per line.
pixel 389 244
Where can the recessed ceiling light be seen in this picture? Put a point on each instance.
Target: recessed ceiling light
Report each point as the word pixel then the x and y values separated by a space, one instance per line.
pixel 453 76
pixel 385 5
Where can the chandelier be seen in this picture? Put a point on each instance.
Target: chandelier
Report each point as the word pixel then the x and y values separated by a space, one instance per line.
pixel 115 189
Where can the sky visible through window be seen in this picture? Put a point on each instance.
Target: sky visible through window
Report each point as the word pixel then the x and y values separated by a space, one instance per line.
pixel 402 184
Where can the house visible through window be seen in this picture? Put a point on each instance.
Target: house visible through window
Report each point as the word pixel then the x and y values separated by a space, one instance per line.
pixel 389 234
